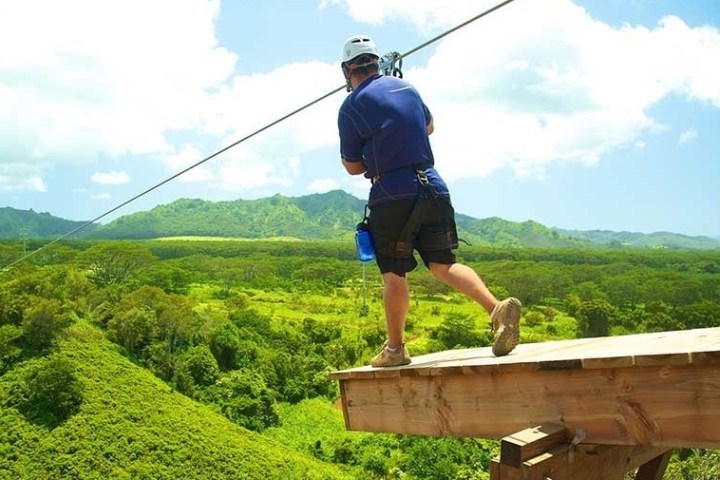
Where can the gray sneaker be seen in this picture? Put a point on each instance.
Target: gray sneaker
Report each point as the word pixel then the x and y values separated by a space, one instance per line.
pixel 386 358
pixel 505 319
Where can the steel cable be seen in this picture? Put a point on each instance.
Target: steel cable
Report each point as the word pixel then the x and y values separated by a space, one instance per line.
pixel 247 137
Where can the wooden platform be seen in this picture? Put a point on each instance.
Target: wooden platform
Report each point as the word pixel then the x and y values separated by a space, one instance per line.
pixel 659 390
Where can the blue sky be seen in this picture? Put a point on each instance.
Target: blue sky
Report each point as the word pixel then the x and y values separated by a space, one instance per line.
pixel 586 114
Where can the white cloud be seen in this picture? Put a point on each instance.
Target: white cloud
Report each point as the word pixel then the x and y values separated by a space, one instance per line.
pixel 240 171
pixel 529 86
pixel 110 178
pixel 101 196
pixel 322 185
pixel 540 83
pixel 357 185
pixel 688 136
pixel 88 78
pixel 254 101
pixel 186 158
pixel 18 176
pixel 424 14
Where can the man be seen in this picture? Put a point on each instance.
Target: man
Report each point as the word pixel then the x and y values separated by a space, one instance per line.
pixel 384 127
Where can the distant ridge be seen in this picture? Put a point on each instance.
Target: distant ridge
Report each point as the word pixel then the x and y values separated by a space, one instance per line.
pixel 19 224
pixel 324 216
pixel 649 240
pixel 312 217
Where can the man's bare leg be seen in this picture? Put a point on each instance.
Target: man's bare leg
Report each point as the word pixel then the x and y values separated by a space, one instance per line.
pixel 466 281
pixel 396 298
pixel 505 319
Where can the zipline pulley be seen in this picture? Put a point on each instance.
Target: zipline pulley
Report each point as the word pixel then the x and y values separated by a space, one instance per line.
pixel 391 64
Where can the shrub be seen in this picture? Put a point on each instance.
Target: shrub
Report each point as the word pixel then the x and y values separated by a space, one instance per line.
pixel 458 331
pixel 49 392
pixel 42 323
pixel 244 398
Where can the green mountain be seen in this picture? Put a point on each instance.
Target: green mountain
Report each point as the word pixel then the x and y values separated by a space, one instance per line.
pixel 326 216
pixel 19 224
pixel 503 233
pixel 646 240
pixel 131 425
pixel 330 215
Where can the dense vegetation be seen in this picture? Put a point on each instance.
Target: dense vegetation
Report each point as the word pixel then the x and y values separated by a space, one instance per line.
pixel 209 359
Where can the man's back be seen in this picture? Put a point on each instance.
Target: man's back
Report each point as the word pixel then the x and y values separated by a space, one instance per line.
pixel 384 123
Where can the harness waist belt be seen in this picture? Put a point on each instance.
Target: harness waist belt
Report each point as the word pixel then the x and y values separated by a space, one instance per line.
pixel 416 167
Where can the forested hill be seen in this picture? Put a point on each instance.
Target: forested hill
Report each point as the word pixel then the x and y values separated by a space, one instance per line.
pixel 19 224
pixel 85 411
pixel 327 216
pixel 657 239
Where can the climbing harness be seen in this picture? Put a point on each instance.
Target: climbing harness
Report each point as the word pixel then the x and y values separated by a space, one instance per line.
pixel 426 202
pixel 393 64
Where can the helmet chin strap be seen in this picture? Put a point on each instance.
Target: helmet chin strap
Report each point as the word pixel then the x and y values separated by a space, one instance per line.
pixel 346 74
pixel 389 64
pixel 347 71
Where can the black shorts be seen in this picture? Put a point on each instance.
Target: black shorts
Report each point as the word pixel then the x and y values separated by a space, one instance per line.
pixel 434 238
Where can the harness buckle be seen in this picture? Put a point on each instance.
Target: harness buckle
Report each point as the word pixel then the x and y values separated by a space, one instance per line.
pixel 422 178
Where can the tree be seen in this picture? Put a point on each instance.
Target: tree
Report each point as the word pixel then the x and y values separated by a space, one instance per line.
pixel 42 323
pixel 224 343
pixel 9 350
pixel 149 314
pixel 170 278
pixel 594 318
pixel 133 329
pixel 12 305
pixel 112 264
pixel 458 331
pixel 201 365
pixel 50 393
pixel 244 398
pixel 429 285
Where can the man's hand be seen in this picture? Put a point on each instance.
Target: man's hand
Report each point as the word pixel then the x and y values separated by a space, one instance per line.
pixel 354 168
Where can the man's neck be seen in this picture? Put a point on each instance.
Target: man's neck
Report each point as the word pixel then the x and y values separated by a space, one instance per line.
pixel 356 80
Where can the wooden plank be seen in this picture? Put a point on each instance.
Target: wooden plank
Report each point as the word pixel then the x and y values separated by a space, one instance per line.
pixel 531 442
pixel 673 406
pixel 588 462
pixel 652 349
pixel 655 468
pixel 343 397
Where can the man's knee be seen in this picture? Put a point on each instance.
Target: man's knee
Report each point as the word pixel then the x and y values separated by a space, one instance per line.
pixel 394 279
pixel 439 270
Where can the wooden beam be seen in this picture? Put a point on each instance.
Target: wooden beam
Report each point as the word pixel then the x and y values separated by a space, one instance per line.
pixel 588 462
pixel 663 405
pixel 531 442
pixel 655 468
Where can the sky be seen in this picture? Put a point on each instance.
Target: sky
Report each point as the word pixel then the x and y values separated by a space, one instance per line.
pixel 584 114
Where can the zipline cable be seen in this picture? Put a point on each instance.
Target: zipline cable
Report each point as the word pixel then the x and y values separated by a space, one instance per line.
pixel 247 137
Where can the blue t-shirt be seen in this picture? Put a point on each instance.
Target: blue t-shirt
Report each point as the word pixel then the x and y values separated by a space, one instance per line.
pixel 383 123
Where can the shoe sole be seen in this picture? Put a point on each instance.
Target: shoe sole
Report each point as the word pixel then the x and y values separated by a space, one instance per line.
pixel 508 335
pixel 394 364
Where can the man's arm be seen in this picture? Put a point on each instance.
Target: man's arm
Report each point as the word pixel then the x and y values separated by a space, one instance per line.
pixel 354 168
pixel 430 126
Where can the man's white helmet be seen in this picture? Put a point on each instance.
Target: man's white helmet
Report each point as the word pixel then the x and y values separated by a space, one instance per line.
pixel 358 45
